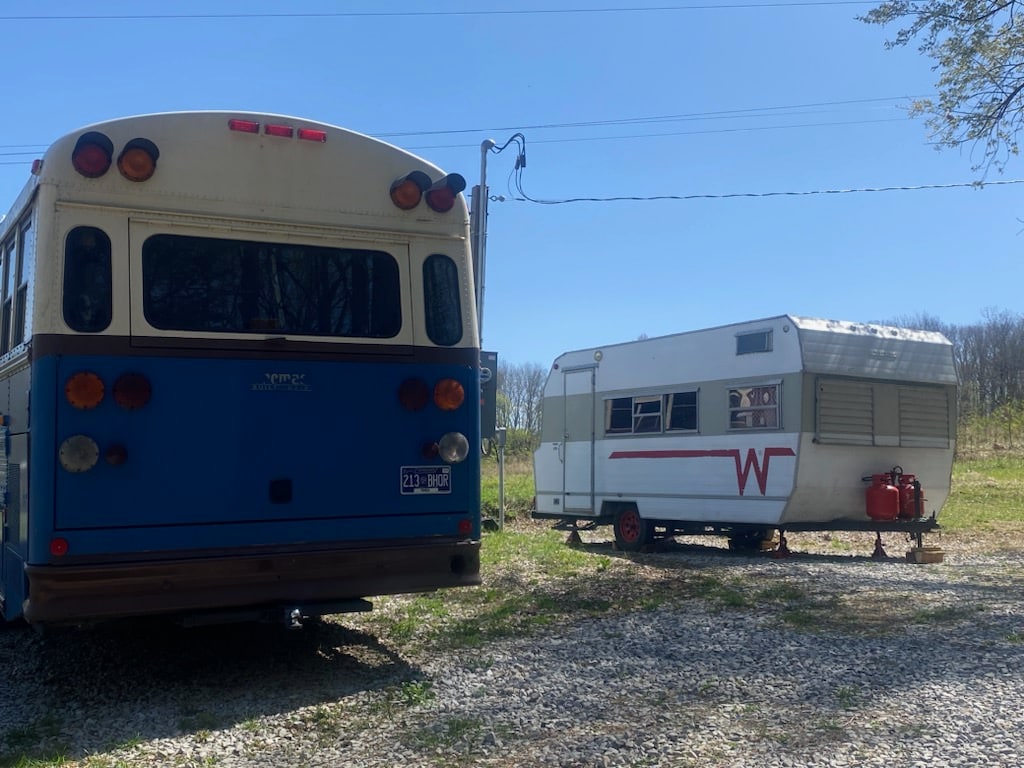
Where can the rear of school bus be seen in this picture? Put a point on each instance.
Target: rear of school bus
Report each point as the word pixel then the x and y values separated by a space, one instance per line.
pixel 255 373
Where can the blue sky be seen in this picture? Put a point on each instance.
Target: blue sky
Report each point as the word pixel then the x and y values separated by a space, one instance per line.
pixel 704 99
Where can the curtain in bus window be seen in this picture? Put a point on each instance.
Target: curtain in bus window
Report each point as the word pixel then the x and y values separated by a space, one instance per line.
pixel 87 280
pixel 233 286
pixel 441 300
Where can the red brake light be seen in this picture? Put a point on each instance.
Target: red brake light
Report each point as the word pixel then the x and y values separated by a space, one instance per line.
pixel 441 196
pixel 413 394
pixel 310 134
pixel 245 126
pixel 92 154
pixel 284 131
pixel 84 390
pixel 132 391
pixel 407 191
pixel 137 160
pixel 449 394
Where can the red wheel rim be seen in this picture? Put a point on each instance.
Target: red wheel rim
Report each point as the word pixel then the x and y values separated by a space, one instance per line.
pixel 629 526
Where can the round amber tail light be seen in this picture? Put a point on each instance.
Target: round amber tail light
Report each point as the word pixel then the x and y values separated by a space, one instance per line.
pixel 84 390
pixel 449 394
pixel 137 160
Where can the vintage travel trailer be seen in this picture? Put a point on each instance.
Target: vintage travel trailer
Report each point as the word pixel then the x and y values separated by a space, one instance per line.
pixel 787 423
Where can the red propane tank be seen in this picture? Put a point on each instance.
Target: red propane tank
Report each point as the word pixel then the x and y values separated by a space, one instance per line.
pixel 911 497
pixel 883 498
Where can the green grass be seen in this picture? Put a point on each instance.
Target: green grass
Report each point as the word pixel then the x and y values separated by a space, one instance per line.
pixel 987 494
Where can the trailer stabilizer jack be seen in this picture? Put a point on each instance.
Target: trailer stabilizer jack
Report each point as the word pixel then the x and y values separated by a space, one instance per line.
pixel 879 553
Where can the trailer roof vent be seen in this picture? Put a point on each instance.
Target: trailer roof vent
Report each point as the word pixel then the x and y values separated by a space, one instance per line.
pixel 756 341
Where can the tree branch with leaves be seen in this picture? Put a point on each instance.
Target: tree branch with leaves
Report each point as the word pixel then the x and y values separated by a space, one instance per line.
pixel 978 49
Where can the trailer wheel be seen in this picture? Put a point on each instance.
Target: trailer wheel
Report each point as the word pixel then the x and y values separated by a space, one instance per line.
pixel 632 532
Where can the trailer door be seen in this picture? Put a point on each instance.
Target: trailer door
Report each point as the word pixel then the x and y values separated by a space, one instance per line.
pixel 578 440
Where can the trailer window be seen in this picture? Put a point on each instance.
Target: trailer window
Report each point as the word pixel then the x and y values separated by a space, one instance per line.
pixel 758 341
pixel 754 407
pixel 647 414
pixel 618 415
pixel 682 412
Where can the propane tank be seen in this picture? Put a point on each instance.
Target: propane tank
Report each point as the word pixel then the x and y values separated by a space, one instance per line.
pixel 911 497
pixel 883 498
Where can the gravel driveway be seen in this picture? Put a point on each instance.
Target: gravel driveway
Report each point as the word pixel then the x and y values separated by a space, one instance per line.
pixel 687 682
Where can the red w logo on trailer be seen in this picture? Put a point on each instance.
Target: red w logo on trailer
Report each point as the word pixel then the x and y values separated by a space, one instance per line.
pixel 743 469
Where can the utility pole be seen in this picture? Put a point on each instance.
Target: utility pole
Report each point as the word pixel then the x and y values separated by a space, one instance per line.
pixel 478 230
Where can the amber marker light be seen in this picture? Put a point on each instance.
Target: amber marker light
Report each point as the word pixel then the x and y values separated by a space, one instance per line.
pixel 137 161
pixel 84 390
pixel 449 394
pixel 407 191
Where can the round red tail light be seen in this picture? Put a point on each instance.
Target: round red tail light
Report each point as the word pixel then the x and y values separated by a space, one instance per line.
pixel 84 390
pixel 137 160
pixel 441 196
pixel 413 394
pixel 92 154
pixel 132 391
pixel 58 547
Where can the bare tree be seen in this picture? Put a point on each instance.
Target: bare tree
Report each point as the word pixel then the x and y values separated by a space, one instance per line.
pixel 520 388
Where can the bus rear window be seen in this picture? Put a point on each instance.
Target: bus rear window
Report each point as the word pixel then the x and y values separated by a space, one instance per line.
pixel 236 286
pixel 87 280
pixel 441 300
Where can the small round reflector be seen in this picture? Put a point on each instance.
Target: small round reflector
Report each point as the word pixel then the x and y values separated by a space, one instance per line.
pixel 84 390
pixel 115 455
pixel 413 394
pixel 79 453
pixel 449 394
pixel 137 160
pixel 407 191
pixel 92 154
pixel 58 547
pixel 465 526
pixel 441 196
pixel 453 447
pixel 132 391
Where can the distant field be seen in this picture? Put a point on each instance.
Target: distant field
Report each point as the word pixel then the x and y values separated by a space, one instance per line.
pixel 988 493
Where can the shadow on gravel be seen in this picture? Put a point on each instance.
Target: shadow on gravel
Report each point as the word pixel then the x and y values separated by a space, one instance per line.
pixel 150 680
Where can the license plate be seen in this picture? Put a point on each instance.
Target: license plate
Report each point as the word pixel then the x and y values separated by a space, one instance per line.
pixel 426 480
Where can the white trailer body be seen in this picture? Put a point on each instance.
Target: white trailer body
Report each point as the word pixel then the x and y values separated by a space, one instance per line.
pixel 754 426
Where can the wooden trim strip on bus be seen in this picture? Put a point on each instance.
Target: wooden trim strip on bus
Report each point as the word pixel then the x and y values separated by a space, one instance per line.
pixel 75 594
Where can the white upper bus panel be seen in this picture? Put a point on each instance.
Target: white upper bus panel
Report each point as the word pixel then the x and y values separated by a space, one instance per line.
pixel 236 163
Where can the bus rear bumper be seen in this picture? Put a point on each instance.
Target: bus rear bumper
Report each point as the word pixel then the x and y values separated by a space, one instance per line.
pixel 245 583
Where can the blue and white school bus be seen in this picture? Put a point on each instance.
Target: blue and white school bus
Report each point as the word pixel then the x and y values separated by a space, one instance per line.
pixel 239 366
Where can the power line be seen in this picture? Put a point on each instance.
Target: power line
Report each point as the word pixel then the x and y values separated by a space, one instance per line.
pixel 729 195
pixel 412 14
pixel 719 114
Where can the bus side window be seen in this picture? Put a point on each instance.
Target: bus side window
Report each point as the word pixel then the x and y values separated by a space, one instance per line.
pixel 88 304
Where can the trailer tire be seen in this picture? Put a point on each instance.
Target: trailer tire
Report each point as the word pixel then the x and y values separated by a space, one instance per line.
pixel 632 532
